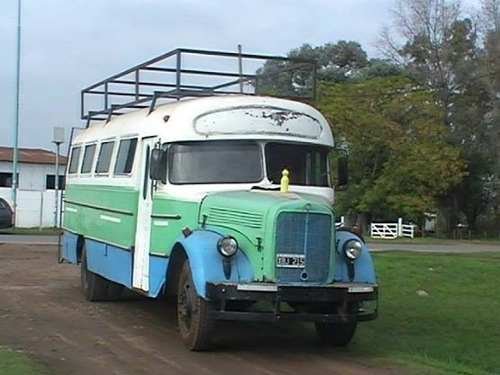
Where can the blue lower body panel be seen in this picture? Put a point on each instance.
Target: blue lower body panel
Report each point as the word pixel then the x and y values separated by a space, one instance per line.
pixel 157 275
pixel 110 262
pixel 116 264
pixel 70 247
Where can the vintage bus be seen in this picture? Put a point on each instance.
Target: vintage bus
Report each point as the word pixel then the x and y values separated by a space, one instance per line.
pixel 221 201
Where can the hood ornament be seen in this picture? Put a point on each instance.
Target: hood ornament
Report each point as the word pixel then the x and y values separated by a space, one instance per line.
pixel 285 181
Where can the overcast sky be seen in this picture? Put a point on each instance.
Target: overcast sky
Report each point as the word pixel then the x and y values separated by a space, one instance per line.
pixel 67 45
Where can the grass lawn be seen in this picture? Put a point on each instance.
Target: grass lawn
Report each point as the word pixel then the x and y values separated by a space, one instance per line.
pixel 433 240
pixel 14 363
pixel 455 329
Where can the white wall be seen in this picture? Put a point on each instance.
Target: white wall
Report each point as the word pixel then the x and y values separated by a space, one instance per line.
pixel 31 176
pixel 35 204
pixel 34 208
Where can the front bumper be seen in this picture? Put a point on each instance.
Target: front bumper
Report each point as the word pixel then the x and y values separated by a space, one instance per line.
pixel 343 295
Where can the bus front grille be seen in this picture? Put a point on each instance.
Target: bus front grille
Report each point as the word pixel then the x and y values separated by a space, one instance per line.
pixel 303 235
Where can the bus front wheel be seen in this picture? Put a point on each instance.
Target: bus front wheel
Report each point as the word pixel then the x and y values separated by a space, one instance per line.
pixel 336 334
pixel 193 317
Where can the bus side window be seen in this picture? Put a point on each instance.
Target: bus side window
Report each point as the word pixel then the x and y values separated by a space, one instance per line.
pixel 125 157
pixel 88 158
pixel 104 157
pixel 75 160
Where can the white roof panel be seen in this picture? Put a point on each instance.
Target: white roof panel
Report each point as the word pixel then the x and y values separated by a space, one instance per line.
pixel 219 117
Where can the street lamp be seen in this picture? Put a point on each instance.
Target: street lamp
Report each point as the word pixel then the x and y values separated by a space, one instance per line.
pixel 15 153
pixel 58 139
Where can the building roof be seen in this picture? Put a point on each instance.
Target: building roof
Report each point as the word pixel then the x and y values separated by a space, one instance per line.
pixel 32 156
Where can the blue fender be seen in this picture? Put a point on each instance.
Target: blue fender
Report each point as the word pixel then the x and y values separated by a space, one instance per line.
pixel 364 270
pixel 207 263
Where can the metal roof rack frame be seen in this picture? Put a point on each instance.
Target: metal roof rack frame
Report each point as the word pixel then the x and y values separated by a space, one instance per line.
pixel 118 86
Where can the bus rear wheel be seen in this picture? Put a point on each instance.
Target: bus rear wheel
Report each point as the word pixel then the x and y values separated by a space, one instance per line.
pixel 96 288
pixel 193 316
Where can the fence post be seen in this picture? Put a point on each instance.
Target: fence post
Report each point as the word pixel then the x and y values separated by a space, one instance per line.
pixel 41 212
pixel 400 227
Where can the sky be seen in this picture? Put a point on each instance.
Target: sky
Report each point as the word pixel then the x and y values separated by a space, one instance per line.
pixel 68 45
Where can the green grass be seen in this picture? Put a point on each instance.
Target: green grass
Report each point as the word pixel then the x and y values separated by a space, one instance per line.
pixel 433 240
pixel 34 231
pixel 15 363
pixel 453 330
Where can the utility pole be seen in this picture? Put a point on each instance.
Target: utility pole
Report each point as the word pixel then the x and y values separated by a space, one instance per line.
pixel 15 152
pixel 58 139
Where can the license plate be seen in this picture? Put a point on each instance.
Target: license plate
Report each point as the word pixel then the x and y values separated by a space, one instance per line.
pixel 290 261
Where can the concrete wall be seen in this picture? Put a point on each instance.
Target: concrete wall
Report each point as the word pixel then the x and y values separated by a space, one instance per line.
pixel 31 176
pixel 35 204
pixel 34 208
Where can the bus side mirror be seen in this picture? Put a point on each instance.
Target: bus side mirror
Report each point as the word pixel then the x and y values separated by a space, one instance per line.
pixel 342 171
pixel 157 165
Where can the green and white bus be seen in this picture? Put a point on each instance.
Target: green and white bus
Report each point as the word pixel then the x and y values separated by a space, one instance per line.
pixel 190 200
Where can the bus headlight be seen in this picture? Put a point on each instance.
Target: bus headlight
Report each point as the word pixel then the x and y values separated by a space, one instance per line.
pixel 227 246
pixel 352 249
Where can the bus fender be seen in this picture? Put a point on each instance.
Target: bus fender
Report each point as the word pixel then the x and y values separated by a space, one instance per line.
pixel 207 263
pixel 364 271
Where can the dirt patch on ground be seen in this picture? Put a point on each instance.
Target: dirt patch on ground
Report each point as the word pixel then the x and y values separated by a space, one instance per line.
pixel 43 312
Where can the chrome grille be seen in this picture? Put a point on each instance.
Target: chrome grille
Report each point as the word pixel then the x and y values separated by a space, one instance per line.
pixel 308 234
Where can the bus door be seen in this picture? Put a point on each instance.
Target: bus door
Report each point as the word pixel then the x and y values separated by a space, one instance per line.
pixel 140 272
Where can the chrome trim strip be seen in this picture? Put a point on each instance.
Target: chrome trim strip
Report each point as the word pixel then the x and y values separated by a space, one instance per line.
pixel 257 287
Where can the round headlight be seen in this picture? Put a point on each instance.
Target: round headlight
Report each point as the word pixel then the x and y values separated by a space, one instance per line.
pixel 227 246
pixel 352 249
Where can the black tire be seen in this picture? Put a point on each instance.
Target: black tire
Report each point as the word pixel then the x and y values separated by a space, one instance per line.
pixel 94 287
pixel 239 305
pixel 193 316
pixel 60 258
pixel 115 291
pixel 336 334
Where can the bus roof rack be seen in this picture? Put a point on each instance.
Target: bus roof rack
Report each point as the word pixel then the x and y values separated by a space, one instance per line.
pixel 166 77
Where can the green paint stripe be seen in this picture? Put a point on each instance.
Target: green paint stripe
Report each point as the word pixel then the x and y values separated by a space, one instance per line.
pixel 107 242
pixel 102 187
pixel 113 210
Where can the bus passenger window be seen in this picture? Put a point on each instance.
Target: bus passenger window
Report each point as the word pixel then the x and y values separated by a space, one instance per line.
pixel 75 159
pixel 104 158
pixel 88 159
pixel 125 158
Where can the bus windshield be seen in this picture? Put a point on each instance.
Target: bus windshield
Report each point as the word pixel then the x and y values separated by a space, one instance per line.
pixel 215 162
pixel 307 164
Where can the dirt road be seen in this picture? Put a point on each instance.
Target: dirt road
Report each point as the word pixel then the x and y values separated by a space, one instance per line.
pixel 43 312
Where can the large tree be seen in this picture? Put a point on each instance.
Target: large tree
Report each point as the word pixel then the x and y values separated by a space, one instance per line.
pixel 490 18
pixel 441 50
pixel 336 62
pixel 400 160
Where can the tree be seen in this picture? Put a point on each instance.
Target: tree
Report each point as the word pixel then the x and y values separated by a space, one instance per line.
pixel 425 27
pixel 490 18
pixel 441 51
pixel 336 62
pixel 400 160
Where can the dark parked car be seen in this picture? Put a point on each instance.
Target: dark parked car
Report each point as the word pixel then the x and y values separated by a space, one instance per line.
pixel 5 214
